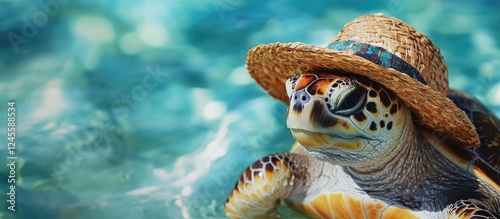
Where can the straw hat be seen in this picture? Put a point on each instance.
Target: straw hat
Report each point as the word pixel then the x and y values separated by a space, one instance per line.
pixel 385 50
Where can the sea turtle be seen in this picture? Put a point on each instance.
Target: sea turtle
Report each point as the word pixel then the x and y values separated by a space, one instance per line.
pixel 379 134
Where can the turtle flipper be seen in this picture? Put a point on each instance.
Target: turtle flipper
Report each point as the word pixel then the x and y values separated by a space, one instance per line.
pixel 467 209
pixel 261 187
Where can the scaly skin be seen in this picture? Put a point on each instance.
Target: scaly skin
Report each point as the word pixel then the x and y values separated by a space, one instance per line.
pixel 360 156
pixel 263 184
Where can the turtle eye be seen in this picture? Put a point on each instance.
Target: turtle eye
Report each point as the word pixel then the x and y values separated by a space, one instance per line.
pixel 352 102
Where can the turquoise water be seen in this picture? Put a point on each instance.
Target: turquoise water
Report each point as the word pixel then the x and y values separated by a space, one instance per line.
pixel 143 109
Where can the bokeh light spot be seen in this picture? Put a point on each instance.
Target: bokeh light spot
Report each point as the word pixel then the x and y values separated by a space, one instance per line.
pixel 186 191
pixel 94 29
pixel 214 110
pixel 153 34
pixel 494 95
pixel 53 102
pixel 240 76
pixel 130 44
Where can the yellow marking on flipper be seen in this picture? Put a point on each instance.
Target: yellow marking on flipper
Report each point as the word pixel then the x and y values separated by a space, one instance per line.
pixel 356 207
pixel 310 210
pixel 258 189
pixel 266 188
pixel 374 209
pixel 394 212
pixel 321 206
pixel 464 214
pixel 335 205
pixel 329 204
pixel 340 205
pixel 281 168
pixel 343 205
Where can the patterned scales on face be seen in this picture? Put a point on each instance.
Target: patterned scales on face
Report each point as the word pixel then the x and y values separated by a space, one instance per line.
pixel 323 85
pixel 362 107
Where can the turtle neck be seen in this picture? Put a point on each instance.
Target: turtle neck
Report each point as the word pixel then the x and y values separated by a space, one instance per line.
pixel 414 174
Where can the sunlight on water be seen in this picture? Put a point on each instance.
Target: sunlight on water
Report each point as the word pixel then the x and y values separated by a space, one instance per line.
pixel 52 101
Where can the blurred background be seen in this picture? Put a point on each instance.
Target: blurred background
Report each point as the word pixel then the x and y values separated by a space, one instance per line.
pixel 144 109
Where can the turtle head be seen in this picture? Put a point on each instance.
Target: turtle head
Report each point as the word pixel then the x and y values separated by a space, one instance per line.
pixel 344 119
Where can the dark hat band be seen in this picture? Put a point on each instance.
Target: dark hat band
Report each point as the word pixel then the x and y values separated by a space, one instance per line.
pixel 379 56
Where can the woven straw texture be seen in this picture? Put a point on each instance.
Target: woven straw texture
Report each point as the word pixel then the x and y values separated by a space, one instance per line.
pixel 270 65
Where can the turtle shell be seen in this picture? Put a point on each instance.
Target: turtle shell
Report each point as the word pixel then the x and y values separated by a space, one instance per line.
pixel 487 156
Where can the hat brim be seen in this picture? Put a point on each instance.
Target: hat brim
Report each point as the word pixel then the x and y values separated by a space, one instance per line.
pixel 272 64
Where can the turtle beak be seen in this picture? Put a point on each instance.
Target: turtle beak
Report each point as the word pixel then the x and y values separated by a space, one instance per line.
pixel 305 116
